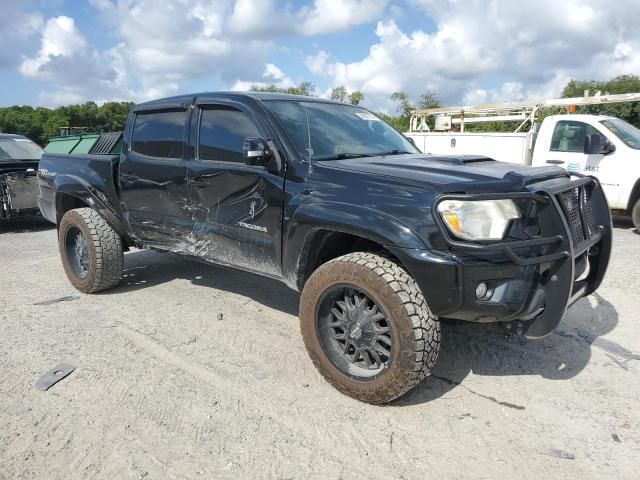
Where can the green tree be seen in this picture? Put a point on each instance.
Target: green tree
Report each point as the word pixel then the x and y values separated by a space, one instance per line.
pixel 629 111
pixel 303 88
pixel 40 124
pixel 356 97
pixel 429 100
pixel 339 94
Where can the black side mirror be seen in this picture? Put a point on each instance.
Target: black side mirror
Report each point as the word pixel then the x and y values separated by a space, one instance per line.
pixel 255 151
pixel 594 145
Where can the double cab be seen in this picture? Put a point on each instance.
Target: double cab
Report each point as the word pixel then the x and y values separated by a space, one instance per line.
pixel 381 240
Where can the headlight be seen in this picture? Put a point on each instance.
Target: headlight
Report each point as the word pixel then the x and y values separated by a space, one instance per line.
pixel 478 219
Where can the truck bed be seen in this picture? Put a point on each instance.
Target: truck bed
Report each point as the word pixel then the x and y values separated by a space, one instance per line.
pixel 60 170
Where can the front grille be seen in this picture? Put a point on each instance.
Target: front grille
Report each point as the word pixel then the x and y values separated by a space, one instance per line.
pixel 577 208
pixel 22 189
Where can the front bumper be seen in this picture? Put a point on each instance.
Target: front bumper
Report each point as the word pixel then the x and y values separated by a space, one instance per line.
pixel 533 279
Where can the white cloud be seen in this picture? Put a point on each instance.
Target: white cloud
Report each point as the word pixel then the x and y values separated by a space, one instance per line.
pixel 60 38
pixel 18 29
pixel 478 51
pixel 272 76
pixel 263 17
pixel 335 15
pixel 65 59
pixel 535 46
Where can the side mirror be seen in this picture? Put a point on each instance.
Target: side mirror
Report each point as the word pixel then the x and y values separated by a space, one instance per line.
pixel 593 145
pixel 255 151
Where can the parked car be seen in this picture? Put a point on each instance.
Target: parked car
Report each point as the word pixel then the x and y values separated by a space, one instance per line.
pixel 19 189
pixel 329 199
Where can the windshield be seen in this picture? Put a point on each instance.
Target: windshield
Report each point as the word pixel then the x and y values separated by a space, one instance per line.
pixel 17 148
pixel 328 131
pixel 629 134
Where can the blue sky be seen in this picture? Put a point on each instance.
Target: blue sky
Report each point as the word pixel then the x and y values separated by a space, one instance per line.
pixel 466 51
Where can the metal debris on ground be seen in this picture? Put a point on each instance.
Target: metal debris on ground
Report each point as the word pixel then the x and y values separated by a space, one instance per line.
pixel 53 376
pixel 555 452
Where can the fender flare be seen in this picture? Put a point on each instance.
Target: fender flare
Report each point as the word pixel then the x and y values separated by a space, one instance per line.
pixel 309 218
pixel 97 196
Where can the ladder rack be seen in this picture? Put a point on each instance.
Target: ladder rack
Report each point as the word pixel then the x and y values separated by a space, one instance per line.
pixel 446 117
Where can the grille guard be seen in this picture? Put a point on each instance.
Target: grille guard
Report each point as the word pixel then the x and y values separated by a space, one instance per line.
pixel 560 232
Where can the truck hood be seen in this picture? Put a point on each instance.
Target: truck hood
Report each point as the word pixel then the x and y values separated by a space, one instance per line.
pixel 464 174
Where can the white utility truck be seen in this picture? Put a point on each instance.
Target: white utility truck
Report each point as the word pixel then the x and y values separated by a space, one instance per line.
pixel 606 147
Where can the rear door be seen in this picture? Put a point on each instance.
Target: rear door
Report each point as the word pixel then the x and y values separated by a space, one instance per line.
pixel 153 175
pixel 237 207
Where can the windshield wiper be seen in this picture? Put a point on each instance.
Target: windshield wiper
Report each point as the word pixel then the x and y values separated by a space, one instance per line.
pixel 391 152
pixel 343 155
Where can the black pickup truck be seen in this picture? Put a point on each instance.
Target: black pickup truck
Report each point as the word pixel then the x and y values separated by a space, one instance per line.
pixel 19 190
pixel 380 239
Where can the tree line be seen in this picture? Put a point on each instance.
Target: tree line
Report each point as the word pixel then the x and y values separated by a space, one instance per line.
pixel 40 124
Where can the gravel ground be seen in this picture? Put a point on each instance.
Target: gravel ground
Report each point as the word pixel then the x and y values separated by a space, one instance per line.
pixel 193 371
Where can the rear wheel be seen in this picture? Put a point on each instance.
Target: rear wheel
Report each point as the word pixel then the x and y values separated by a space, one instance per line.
pixel 90 249
pixel 635 215
pixel 367 327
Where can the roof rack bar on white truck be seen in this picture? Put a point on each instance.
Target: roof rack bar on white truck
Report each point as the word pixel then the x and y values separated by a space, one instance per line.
pixel 506 112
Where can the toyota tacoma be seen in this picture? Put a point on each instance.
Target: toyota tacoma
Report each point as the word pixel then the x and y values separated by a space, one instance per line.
pixel 380 240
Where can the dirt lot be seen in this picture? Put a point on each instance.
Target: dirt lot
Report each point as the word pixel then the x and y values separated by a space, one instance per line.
pixel 194 371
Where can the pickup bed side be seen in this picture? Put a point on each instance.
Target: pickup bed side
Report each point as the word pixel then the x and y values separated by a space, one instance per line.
pixel 74 181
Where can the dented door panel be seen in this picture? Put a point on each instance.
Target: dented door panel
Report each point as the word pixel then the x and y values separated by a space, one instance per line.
pixel 237 212
pixel 153 179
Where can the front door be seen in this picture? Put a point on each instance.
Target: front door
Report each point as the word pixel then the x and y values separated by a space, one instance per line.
pixel 237 207
pixel 567 150
pixel 153 177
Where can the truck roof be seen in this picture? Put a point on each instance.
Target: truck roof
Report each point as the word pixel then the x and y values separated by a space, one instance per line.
pixel 254 95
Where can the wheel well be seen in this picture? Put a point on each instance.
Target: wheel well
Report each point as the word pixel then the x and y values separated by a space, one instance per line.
pixel 66 202
pixel 325 245
pixel 635 196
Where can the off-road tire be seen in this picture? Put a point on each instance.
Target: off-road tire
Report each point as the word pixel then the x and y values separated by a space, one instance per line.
pixel 635 215
pixel 416 331
pixel 105 250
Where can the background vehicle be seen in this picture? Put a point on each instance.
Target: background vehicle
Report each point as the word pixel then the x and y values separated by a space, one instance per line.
pixel 606 147
pixel 19 159
pixel 334 202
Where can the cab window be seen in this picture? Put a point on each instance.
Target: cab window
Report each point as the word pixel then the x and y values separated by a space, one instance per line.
pixel 159 134
pixel 223 131
pixel 570 136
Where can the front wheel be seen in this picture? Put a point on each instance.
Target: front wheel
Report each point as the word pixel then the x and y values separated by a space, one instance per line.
pixel 91 251
pixel 367 327
pixel 635 215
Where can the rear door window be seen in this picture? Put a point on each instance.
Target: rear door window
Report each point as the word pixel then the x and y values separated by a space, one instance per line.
pixel 159 134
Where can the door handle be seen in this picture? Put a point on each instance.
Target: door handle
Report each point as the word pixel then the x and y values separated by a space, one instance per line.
pixel 555 162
